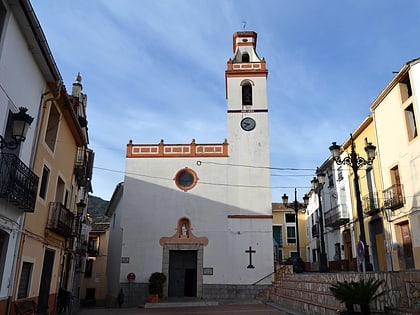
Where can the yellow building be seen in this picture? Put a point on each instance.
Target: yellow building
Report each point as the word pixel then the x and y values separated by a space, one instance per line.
pixel 94 288
pixel 396 112
pixel 370 188
pixel 285 234
pixel 50 253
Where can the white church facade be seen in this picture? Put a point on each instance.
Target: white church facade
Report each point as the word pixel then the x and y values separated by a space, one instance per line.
pixel 200 213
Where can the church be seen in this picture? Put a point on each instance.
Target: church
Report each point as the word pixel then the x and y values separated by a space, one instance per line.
pixel 200 213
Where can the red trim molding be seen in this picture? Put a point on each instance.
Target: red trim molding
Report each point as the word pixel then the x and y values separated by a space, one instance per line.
pixel 250 216
pixel 177 150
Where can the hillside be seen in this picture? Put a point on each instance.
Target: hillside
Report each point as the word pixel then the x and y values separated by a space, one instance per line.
pixel 97 208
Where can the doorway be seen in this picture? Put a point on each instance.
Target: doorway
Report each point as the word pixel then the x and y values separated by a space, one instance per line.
pixel 406 256
pixel 182 273
pixel 46 275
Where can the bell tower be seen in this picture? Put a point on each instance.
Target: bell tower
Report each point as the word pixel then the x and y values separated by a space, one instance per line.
pixel 247 115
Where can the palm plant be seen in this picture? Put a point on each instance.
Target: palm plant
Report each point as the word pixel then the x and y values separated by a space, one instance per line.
pixel 361 292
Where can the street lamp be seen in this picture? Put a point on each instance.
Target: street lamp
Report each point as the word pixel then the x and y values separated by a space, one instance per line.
pixel 317 185
pixel 20 125
pixel 296 206
pixel 355 162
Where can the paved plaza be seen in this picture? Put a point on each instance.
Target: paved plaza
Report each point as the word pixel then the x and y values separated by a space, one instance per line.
pixel 194 309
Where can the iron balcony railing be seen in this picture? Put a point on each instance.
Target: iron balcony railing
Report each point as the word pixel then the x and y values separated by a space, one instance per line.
pixel 18 184
pixel 337 216
pixel 83 166
pixel 61 219
pixel 370 203
pixel 93 246
pixel 394 197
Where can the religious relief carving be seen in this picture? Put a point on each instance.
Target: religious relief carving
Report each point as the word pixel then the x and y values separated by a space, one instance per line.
pixel 183 235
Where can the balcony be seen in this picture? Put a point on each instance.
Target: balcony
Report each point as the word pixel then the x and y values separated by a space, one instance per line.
pixel 315 230
pixel 18 184
pixel 83 165
pixel 60 220
pixel 93 246
pixel 337 216
pixel 394 197
pixel 370 204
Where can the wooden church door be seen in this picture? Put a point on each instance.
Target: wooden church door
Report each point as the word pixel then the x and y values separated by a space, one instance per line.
pixel 182 273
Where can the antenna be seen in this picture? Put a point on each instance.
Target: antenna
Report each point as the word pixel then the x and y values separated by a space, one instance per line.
pixel 244 25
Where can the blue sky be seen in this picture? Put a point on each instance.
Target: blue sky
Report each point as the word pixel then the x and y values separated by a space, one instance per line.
pixel 154 69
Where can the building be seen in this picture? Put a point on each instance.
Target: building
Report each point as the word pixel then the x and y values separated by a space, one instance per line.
pixel 398 156
pixel 51 253
pixel 339 205
pixel 32 68
pixel 386 186
pixel 285 234
pixel 93 290
pixel 201 213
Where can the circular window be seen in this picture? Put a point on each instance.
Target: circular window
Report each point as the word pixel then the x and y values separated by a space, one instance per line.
pixel 186 179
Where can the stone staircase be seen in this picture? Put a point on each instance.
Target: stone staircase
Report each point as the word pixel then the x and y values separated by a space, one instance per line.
pixel 304 293
pixel 309 293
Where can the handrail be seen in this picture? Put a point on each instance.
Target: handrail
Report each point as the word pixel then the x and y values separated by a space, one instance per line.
pixel 264 277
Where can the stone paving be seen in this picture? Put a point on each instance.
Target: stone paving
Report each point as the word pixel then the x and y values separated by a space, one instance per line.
pixel 232 308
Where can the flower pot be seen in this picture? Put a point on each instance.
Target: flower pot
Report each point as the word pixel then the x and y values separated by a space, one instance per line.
pixel 153 298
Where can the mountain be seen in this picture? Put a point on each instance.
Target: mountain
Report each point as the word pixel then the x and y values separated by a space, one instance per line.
pixel 97 208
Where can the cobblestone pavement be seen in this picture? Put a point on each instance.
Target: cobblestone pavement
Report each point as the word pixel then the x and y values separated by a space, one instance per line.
pixel 231 309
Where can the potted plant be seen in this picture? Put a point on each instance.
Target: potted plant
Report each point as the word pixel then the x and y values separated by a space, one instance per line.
pixel 361 292
pixel 156 281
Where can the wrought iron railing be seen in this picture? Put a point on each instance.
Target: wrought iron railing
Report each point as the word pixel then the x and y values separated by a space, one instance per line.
pixel 394 197
pixel 61 219
pixel 18 184
pixel 83 166
pixel 370 203
pixel 93 246
pixel 337 216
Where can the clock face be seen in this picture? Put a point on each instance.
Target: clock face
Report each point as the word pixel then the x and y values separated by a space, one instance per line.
pixel 248 124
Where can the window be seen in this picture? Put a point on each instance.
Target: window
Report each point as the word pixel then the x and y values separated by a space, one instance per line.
pixel 405 88
pixel 395 176
pixel 340 176
pixel 277 235
pixel 370 181
pixel 330 180
pixel 290 218
pixel 245 57
pixel 291 234
pixel 247 94
pixel 410 118
pixel 59 190
pixel 66 199
pixel 44 182
pixel 278 242
pixel 314 255
pixel 25 277
pixel 52 127
pixel 186 179
pixel 89 267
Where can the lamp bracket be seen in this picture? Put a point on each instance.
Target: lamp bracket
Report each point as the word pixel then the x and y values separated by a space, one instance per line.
pixel 11 145
pixel 357 162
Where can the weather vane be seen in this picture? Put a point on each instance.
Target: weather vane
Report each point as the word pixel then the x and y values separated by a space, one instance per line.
pixel 244 25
